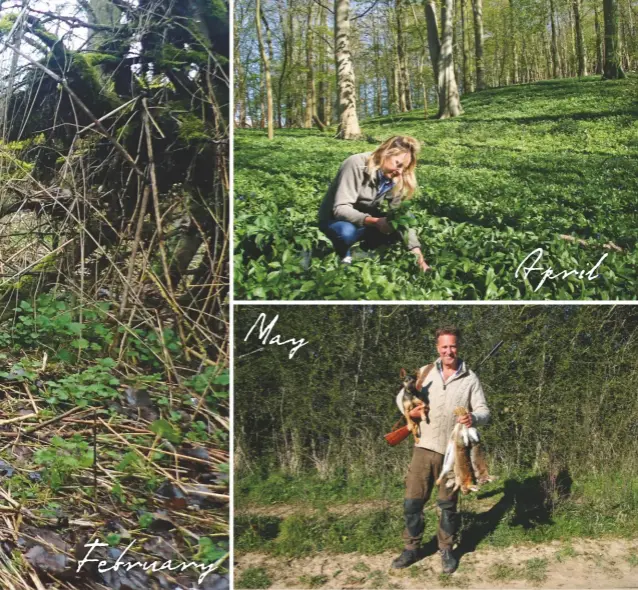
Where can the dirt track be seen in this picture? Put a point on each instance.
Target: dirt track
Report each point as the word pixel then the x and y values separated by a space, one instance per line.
pixel 611 563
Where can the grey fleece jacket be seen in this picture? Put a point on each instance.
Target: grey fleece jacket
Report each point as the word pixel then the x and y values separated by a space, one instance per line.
pixel 464 390
pixel 352 196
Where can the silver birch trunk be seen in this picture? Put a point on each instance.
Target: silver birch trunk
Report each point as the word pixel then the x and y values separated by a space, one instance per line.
pixel 348 120
pixel 513 31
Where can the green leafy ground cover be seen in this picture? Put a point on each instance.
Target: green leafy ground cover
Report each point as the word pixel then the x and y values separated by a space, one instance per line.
pixel 523 166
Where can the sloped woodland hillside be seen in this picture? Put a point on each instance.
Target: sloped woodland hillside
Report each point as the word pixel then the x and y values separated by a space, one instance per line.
pixel 113 294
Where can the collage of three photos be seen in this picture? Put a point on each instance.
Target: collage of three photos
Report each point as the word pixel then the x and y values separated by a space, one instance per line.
pixel 312 295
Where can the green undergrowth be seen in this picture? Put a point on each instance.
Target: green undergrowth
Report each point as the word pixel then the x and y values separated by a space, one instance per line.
pixel 73 381
pixel 517 508
pixel 69 356
pixel 314 491
pixel 523 166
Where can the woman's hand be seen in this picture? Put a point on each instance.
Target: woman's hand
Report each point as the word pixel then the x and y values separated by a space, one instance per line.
pixel 381 223
pixel 383 226
pixel 423 265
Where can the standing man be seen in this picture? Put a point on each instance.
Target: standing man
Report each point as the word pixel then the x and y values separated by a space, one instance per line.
pixel 446 384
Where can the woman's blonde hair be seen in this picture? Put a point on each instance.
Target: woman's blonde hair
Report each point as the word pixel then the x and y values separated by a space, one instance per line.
pixel 398 144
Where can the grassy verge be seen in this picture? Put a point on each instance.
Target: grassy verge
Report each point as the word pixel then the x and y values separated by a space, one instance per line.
pixel 521 508
pixel 523 166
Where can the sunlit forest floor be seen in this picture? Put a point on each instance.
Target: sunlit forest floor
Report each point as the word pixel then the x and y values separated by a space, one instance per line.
pixel 549 165
pixel 526 529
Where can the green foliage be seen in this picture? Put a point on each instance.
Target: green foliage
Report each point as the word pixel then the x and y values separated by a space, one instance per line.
pixel 164 429
pixel 208 552
pixel 95 382
pixel 524 165
pixel 253 577
pixel 145 520
pixel 64 458
pixel 298 535
pixel 313 490
pixel 52 321
pixel 147 346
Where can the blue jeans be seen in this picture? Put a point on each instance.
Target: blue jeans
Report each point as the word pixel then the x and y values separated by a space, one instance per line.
pixel 343 234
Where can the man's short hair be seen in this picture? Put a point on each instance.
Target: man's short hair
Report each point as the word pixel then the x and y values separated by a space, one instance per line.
pixel 450 331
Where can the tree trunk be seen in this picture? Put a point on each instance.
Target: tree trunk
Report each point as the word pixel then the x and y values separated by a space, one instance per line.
pixel 467 84
pixel 632 33
pixel 310 76
pixel 554 45
pixel 377 69
pixel 348 120
pixel 265 61
pixel 599 43
pixel 449 102
pixel 262 96
pixel 286 59
pixel 8 90
pixel 324 110
pixel 612 69
pixel 514 29
pixel 434 44
pixel 580 40
pixel 240 97
pixel 477 8
pixel 404 84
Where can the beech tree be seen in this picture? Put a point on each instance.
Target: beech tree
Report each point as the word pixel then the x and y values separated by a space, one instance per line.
pixel 348 120
pixel 337 63
pixel 612 68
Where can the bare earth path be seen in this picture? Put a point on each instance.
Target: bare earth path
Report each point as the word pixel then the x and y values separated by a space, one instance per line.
pixel 581 563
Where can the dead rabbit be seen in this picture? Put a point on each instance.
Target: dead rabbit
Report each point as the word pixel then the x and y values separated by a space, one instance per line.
pixel 464 454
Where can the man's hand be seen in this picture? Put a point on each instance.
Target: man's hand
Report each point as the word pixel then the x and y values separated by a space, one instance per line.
pixel 466 420
pixel 423 265
pixel 416 412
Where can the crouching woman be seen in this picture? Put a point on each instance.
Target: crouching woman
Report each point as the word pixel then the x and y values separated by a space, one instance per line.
pixel 351 210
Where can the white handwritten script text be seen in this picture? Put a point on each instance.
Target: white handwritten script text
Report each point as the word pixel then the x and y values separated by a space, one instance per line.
pixel 537 254
pixel 153 566
pixel 264 335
